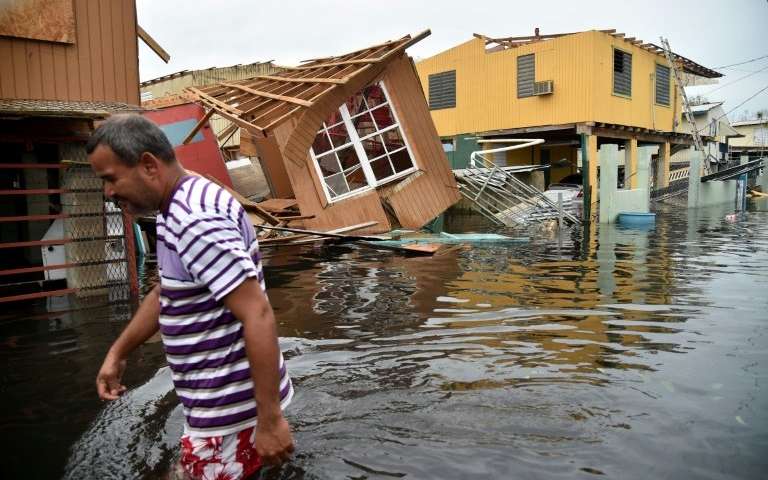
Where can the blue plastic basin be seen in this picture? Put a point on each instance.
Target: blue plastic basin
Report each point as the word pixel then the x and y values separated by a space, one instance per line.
pixel 631 219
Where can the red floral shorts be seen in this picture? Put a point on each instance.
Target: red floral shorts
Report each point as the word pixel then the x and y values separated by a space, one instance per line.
pixel 228 457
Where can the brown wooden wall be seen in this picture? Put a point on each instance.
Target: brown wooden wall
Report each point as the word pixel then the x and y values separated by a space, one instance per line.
pixel 418 198
pixel 102 65
pixel 415 200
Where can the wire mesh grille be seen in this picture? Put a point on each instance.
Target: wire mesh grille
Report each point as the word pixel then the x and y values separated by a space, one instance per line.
pixel 94 230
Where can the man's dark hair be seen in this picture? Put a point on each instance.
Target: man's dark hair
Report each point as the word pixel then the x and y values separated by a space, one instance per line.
pixel 129 136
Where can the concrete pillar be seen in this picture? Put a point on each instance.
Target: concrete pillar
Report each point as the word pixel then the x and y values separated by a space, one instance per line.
pixel 643 176
pixel 609 160
pixel 694 180
pixel 662 172
pixel 630 164
pixel 594 160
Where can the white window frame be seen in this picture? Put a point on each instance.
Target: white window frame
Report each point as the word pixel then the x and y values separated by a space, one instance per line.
pixel 357 144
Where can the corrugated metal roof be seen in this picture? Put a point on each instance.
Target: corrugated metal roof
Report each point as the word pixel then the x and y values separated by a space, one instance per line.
pixel 704 107
pixel 58 108
pixel 750 122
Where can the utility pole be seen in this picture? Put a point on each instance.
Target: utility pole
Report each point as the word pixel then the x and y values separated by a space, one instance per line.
pixel 686 104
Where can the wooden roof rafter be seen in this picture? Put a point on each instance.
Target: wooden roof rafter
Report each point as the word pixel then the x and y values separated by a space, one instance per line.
pixel 263 102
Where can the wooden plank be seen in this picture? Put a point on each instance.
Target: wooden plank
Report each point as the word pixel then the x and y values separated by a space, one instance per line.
pixel 283 98
pixel 197 127
pixel 7 84
pixel 273 204
pixel 59 75
pixel 19 53
pixel 96 52
pixel 31 296
pixel 338 81
pixel 331 233
pixel 130 37
pixel 152 44
pixel 108 44
pixel 47 71
pixel 223 106
pixel 359 61
pixel 34 70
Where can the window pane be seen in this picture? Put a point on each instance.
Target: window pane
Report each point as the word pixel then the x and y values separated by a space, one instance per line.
pixel 393 140
pixel 321 143
pixel 328 164
pixel 401 160
pixel 348 158
pixel 355 104
pixel 383 117
pixel 381 168
pixel 339 135
pixel 336 185
pixel 364 124
pixel 374 147
pixel 374 95
pixel 355 178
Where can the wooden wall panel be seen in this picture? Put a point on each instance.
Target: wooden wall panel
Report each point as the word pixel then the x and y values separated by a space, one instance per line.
pixel 418 199
pixel 102 64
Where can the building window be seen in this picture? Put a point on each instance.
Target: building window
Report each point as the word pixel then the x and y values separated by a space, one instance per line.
pixel 622 73
pixel 662 85
pixel 442 90
pixel 361 145
pixel 526 75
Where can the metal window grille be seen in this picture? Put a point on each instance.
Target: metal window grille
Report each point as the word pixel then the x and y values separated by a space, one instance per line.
pixel 622 72
pixel 99 239
pixel 442 90
pixel 662 85
pixel 526 75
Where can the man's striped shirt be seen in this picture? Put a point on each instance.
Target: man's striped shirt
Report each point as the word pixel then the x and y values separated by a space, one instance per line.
pixel 206 247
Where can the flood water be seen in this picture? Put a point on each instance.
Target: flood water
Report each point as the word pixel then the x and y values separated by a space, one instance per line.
pixel 610 353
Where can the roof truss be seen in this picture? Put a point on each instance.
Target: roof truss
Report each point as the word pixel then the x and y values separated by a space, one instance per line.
pixel 263 102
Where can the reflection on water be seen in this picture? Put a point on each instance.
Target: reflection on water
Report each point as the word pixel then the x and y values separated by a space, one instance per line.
pixel 628 353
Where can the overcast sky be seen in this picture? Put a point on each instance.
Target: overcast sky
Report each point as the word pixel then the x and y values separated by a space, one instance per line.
pixel 206 33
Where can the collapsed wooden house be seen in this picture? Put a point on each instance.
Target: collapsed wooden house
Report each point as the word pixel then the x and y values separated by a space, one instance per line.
pixel 349 137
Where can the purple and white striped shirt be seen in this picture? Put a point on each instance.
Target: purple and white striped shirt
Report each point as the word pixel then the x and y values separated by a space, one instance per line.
pixel 206 247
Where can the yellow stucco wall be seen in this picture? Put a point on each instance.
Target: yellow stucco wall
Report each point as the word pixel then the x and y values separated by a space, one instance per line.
pixel 581 66
pixel 749 135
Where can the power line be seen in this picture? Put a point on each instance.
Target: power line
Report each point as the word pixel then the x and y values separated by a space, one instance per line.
pixel 737 80
pixel 698 130
pixel 740 63
pixel 745 101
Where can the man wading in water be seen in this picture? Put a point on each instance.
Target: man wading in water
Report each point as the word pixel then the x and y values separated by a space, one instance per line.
pixel 216 322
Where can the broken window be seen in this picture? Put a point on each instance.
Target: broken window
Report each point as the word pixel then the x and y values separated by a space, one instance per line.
pixel 364 148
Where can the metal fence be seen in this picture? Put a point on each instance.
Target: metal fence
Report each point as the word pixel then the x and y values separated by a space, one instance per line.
pixel 85 245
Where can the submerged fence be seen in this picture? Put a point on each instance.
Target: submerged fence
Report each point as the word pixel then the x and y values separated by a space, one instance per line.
pixel 62 237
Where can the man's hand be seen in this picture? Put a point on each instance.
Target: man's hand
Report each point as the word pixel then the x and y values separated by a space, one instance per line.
pixel 108 380
pixel 274 442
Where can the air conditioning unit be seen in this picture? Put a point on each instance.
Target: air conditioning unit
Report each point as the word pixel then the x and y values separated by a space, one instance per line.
pixel 543 88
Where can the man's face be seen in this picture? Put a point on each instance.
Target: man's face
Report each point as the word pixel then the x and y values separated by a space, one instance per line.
pixel 136 189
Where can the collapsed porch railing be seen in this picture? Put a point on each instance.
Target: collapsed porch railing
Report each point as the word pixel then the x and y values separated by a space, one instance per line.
pixel 504 199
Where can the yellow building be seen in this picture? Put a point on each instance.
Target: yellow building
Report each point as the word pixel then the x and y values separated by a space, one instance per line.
pixel 575 90
pixel 752 140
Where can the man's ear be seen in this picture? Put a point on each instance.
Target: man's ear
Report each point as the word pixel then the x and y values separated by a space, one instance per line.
pixel 149 165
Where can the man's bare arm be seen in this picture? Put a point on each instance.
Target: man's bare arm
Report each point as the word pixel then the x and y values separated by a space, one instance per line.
pixel 248 303
pixel 143 325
